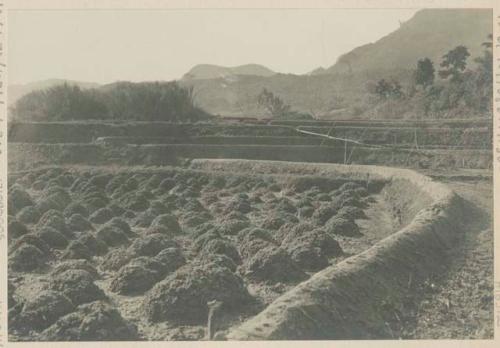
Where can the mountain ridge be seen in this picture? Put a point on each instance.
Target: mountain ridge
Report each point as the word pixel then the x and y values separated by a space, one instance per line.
pixel 429 33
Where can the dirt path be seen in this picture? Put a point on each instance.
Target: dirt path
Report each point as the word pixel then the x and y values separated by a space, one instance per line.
pixel 460 305
pixel 379 224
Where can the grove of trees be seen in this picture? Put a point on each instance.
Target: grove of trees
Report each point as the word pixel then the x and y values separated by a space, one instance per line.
pixel 277 108
pixel 461 89
pixel 147 101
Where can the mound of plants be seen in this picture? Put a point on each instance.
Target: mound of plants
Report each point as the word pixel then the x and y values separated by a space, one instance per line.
pixel 182 297
pixel 54 219
pixel 275 219
pixel 79 223
pixel 52 237
pixel 218 246
pixel 191 220
pixel 351 213
pixel 285 205
pixel 238 204
pixel 101 216
pixel 272 264
pixel 339 225
pixel 112 235
pixel 203 238
pixel 76 208
pixel 323 213
pixel 311 250
pixel 231 227
pixel 116 259
pixel 251 240
pixel 27 258
pixel 29 215
pixel 15 228
pixel 84 265
pixel 40 312
pixel 48 203
pixel 32 239
pixel 151 244
pixel 94 203
pixel 77 250
pixel 96 321
pixel 122 225
pixel 96 246
pixel 18 198
pixel 305 212
pixel 171 259
pixel 77 285
pixel 217 259
pixel 167 221
pixel 134 279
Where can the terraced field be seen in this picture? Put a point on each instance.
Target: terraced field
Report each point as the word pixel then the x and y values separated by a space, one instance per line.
pixel 121 232
pixel 138 253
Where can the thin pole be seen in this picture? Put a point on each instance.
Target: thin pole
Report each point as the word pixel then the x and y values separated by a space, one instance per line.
pixel 345 151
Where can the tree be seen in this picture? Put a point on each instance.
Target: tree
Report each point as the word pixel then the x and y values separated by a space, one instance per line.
pixel 488 44
pixel 454 62
pixel 273 104
pixel 481 82
pixel 424 75
pixel 486 62
pixel 145 101
pixel 388 89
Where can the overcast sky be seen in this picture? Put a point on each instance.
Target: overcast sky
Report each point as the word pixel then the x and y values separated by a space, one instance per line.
pixel 107 46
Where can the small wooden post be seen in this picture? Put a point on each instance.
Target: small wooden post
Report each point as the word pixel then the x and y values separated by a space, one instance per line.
pixel 345 151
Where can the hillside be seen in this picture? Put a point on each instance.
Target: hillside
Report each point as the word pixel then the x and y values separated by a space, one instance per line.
pixel 321 95
pixel 16 91
pixel 430 33
pixel 339 90
pixel 208 71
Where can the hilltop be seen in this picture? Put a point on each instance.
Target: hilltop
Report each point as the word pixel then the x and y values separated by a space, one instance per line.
pixel 208 71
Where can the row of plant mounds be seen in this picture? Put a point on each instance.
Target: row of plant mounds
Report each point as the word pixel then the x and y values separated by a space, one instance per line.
pixel 172 239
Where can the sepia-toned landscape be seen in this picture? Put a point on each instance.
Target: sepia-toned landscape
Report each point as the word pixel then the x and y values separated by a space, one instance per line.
pixel 238 203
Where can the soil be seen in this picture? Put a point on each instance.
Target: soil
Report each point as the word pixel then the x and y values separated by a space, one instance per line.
pixel 459 305
pixel 113 259
pixel 131 268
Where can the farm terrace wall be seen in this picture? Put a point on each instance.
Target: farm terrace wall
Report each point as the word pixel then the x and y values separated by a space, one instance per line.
pixel 24 155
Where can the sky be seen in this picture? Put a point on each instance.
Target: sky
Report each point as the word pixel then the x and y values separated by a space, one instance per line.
pixel 105 46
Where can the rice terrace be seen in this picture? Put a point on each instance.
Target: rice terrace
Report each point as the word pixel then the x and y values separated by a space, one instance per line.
pixel 187 210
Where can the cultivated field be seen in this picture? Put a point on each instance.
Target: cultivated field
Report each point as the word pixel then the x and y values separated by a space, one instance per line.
pixel 117 232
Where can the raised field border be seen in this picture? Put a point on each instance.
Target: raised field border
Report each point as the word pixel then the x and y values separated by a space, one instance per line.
pixel 23 155
pixel 348 300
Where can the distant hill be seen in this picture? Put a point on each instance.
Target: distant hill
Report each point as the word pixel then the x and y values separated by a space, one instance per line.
pixel 208 71
pixel 18 90
pixel 429 33
pixel 323 92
